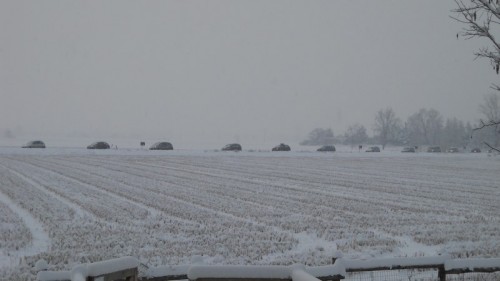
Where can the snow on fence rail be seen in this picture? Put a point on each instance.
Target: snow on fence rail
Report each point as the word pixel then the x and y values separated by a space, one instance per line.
pixel 127 269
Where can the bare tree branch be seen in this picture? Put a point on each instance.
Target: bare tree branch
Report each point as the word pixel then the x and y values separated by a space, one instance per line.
pixel 488 124
pixel 491 147
pixel 484 125
pixel 479 16
pixel 481 19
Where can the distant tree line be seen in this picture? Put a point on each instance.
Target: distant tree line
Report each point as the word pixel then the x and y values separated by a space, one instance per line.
pixel 426 127
pixel 319 136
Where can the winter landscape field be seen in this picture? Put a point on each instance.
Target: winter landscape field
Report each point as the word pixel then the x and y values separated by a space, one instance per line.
pixel 71 206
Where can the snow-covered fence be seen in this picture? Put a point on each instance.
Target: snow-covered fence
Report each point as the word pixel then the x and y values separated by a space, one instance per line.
pixel 436 263
pixel 472 265
pixel 444 266
pixel 127 269
pixel 200 272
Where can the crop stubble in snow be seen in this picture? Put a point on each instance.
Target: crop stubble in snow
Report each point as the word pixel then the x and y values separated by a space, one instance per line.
pixel 247 208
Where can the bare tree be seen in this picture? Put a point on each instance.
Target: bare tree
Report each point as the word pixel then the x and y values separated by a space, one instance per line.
pixel 356 135
pixel 386 125
pixel 454 134
pixel 424 127
pixel 319 136
pixel 482 20
pixel 490 108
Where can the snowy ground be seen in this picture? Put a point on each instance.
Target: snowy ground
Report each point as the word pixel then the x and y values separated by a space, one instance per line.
pixel 71 206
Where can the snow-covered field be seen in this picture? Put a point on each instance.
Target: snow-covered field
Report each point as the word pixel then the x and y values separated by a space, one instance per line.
pixel 71 206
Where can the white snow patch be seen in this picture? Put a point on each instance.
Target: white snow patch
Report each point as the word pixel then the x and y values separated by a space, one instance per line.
pixel 394 262
pixel 40 239
pixel 311 241
pixel 471 264
pixel 78 210
pixel 53 275
pixel 109 266
pixel 409 247
pixel 414 248
pixel 220 271
pixel 82 271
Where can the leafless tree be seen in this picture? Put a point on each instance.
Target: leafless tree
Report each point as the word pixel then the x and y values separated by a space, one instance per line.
pixel 490 108
pixel 356 135
pixel 319 136
pixel 424 127
pixel 482 20
pixel 455 134
pixel 386 125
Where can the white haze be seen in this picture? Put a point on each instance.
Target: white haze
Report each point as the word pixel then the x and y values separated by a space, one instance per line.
pixel 221 71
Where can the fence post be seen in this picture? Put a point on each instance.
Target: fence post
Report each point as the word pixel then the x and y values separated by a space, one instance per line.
pixel 337 255
pixel 441 273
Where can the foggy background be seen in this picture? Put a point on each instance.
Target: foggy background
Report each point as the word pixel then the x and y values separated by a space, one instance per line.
pixel 213 72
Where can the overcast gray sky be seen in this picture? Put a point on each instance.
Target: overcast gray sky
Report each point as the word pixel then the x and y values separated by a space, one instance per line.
pixel 229 70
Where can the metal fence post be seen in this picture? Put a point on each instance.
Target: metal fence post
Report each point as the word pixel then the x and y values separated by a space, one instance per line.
pixel 441 273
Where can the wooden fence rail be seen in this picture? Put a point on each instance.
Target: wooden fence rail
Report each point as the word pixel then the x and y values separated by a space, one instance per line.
pixel 126 269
